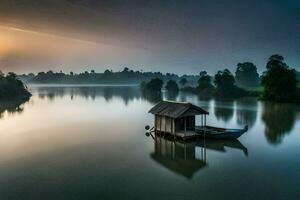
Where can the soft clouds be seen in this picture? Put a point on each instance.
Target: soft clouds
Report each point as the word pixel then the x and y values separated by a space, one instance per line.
pixel 24 50
pixel 176 36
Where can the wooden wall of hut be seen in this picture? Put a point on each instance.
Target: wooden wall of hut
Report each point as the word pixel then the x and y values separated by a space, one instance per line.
pixel 164 124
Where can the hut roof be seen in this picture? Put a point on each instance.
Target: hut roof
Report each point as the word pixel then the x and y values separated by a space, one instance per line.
pixel 176 109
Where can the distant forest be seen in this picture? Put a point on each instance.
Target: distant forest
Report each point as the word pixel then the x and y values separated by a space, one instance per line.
pixel 246 75
pixel 126 76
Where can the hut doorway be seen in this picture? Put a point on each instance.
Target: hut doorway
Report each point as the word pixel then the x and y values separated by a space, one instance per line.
pixel 185 124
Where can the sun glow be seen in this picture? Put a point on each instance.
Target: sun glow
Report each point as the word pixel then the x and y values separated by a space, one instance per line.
pixel 32 50
pixel 6 44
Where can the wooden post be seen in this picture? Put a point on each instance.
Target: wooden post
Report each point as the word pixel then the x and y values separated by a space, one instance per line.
pixel 174 148
pixel 204 126
pixel 160 123
pixel 184 126
pixel 184 151
pixel 174 129
pixel 155 122
pixel 166 124
pixel 171 125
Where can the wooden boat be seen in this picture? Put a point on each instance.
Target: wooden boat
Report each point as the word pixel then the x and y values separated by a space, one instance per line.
pixel 220 133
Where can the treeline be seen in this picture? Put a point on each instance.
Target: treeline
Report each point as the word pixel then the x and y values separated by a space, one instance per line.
pixel 11 87
pixel 278 82
pixel 126 76
pixel 226 84
pixel 222 84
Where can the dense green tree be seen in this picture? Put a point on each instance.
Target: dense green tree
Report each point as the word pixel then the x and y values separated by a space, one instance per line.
pixel 49 73
pixel 246 74
pixel 225 85
pixel 107 72
pixel 279 81
pixel 205 81
pixel 205 86
pixel 26 77
pixel 298 76
pixel 172 86
pixel 152 90
pixel 126 69
pixel 11 87
pixel 224 79
pixel 11 76
pixel 183 81
pixel 154 85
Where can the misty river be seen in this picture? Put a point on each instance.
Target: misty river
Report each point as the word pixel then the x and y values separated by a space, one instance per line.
pixel 89 142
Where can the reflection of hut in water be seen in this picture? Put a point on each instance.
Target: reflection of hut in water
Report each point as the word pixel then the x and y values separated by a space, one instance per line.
pixel 181 158
pixel 177 118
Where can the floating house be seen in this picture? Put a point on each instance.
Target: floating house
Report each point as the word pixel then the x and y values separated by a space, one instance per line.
pixel 177 118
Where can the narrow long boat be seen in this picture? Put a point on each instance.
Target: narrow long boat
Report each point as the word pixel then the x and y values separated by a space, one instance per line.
pixel 220 133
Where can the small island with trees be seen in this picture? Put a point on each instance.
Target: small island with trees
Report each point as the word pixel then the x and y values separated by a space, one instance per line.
pixel 12 88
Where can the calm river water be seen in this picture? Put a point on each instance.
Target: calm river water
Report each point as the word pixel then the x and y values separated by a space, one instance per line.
pixel 89 143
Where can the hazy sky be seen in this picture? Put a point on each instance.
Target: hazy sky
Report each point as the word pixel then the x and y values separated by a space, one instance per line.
pixel 168 35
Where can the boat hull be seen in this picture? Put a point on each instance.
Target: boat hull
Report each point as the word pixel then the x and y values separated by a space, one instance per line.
pixel 220 133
